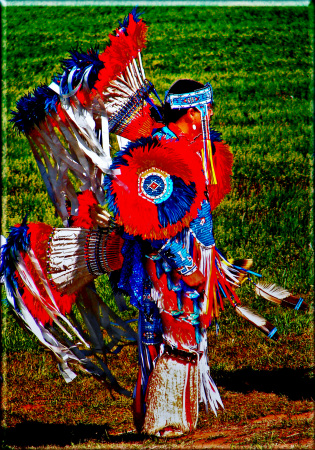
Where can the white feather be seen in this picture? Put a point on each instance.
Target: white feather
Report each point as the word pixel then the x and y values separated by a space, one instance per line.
pixel 250 315
pixel 271 292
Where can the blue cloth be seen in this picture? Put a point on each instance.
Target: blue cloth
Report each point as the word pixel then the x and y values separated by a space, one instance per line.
pixel 133 275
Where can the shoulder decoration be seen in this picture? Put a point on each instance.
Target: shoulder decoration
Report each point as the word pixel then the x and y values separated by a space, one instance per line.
pixel 159 188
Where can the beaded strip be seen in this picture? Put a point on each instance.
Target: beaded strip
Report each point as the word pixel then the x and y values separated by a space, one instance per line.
pixel 95 252
pixel 202 96
pixel 118 121
pixel 48 250
pixel 178 257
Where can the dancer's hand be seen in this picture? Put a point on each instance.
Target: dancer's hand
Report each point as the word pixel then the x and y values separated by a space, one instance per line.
pixel 100 216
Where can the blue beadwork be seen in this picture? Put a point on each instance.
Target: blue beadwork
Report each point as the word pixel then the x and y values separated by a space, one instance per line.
pixel 177 256
pixel 166 133
pixel 272 333
pixel 202 226
pixel 191 99
pixel 157 187
pixel 154 185
pixel 299 303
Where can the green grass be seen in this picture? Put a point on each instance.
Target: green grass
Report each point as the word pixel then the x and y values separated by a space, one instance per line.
pixel 260 63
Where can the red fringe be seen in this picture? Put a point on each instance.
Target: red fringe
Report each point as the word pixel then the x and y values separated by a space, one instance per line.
pixel 223 162
pixel 114 244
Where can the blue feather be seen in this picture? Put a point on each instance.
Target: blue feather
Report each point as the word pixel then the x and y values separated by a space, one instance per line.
pixel 178 204
pixel 80 62
pixel 29 112
pixel 47 97
pixel 33 107
pixel 136 16
pixel 215 136
pixel 18 241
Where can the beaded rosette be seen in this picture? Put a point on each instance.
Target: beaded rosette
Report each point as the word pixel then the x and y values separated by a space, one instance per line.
pixel 155 185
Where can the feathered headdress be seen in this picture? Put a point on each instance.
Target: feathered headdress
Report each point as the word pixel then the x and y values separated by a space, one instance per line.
pixel 122 84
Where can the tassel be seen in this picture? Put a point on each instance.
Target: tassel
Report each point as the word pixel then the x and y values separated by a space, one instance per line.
pixel 211 171
pixel 241 263
pixel 260 322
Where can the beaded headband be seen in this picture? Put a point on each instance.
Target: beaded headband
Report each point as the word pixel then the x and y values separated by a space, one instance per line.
pixel 202 96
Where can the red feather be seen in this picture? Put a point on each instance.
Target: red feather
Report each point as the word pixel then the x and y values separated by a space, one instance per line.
pixel 121 51
pixel 86 200
pixel 223 162
pixel 39 236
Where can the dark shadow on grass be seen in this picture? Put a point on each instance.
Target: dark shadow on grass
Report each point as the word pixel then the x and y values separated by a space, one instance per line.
pixel 37 434
pixel 296 384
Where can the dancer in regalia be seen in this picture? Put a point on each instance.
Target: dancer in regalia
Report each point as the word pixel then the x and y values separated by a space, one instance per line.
pixel 174 180
pixel 157 243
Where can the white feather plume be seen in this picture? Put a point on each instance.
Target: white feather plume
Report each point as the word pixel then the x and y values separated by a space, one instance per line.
pixel 250 315
pixel 271 292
